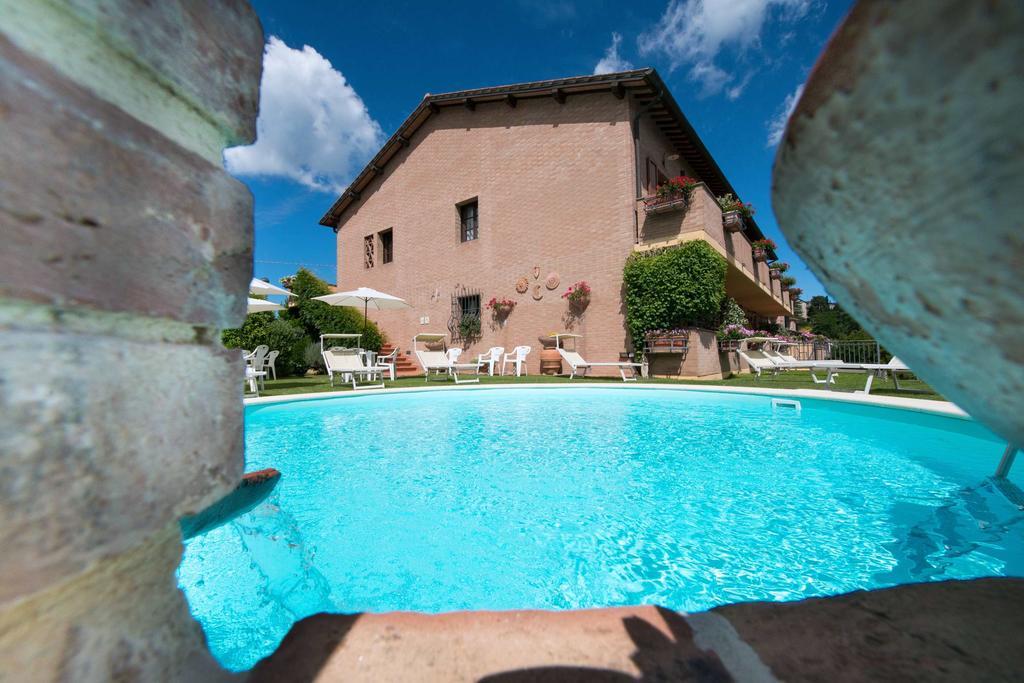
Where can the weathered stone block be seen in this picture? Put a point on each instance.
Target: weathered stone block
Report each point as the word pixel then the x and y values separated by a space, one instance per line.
pixel 206 52
pixel 101 210
pixel 104 441
pixel 124 620
pixel 898 182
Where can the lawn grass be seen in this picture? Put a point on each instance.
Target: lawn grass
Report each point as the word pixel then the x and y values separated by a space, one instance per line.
pixel 797 379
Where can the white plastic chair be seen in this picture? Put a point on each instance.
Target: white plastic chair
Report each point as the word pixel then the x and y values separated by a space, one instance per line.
pixel 256 361
pixel 518 359
pixel 492 356
pixel 453 354
pixel 389 360
pixel 269 363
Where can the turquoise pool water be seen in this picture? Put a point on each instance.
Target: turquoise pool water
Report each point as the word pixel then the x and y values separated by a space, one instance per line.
pixel 583 497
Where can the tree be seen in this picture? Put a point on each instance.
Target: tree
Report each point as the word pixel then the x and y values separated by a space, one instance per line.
pixel 818 304
pixel 318 318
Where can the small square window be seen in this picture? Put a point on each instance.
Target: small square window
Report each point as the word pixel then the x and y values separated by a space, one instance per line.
pixel 469 221
pixel 387 245
pixel 368 251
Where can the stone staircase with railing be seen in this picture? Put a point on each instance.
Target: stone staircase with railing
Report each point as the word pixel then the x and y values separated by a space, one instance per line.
pixel 405 365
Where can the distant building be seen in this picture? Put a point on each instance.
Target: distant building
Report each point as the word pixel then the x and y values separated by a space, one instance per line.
pixel 519 191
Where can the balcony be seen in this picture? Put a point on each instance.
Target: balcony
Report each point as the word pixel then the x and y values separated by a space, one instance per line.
pixel 665 224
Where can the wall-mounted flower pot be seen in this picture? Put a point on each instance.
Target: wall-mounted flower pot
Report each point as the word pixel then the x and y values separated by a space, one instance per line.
pixel 760 255
pixel 774 274
pixel 732 221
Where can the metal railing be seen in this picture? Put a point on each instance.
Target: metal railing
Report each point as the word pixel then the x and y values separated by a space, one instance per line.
pixel 848 351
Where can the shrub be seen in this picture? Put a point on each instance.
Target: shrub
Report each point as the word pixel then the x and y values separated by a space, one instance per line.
pixel 314 359
pixel 318 318
pixel 287 337
pixel 280 334
pixel 251 334
pixel 673 288
pixel 732 314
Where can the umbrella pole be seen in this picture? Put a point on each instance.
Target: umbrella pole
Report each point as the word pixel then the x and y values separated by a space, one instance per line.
pixel 366 302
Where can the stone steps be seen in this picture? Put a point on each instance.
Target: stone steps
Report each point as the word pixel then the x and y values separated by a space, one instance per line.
pixel 405 366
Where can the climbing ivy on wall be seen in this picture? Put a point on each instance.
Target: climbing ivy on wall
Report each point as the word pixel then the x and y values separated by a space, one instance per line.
pixel 677 287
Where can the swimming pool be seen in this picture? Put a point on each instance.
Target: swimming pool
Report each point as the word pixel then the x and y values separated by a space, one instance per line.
pixel 561 498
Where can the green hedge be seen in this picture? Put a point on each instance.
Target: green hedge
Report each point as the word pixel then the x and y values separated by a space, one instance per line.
pixel 671 288
pixel 282 334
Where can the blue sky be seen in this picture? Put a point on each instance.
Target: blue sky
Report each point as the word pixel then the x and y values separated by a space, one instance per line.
pixel 339 77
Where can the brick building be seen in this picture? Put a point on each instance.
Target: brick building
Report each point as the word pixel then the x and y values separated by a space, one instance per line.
pixel 520 191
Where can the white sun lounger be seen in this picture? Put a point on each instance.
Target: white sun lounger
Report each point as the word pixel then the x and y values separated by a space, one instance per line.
pixel 581 367
pixel 348 364
pixel 438 362
pixel 873 370
pixel 761 361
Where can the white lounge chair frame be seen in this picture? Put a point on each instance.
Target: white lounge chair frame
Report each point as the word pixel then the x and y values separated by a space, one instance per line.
pixel 581 367
pixel 873 370
pixel 349 364
pixel 439 363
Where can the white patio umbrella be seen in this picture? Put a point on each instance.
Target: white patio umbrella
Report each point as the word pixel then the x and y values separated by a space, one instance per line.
pixel 266 289
pixel 261 306
pixel 365 297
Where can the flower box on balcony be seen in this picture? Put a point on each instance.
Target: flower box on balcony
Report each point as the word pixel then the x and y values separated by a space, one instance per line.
pixel 665 204
pixel 675 342
pixel 760 255
pixel 732 221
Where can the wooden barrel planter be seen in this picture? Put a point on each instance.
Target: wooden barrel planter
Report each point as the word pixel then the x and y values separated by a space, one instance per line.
pixel 550 362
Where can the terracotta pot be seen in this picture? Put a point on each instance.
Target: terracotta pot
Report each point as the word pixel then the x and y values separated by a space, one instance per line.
pixel 774 274
pixel 546 342
pixel 760 255
pixel 550 362
pixel 732 221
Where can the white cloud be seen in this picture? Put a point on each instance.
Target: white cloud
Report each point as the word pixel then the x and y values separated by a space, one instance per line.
pixel 777 124
pixel 692 33
pixel 312 127
pixel 612 61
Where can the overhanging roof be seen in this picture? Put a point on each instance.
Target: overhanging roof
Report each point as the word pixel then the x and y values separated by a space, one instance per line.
pixel 644 85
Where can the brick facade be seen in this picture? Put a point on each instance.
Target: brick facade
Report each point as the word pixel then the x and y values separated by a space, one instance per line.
pixel 557 190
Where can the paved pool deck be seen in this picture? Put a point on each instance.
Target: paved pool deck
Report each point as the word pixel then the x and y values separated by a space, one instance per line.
pixel 945 631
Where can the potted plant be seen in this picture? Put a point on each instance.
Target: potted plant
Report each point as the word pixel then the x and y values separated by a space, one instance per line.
pixel 500 308
pixel 734 212
pixel 550 359
pixel 776 269
pixel 762 248
pixel 578 295
pixel 795 292
pixel 469 327
pixel 787 282
pixel 674 192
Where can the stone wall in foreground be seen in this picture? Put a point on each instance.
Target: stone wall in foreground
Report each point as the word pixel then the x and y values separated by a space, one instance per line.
pixel 126 249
